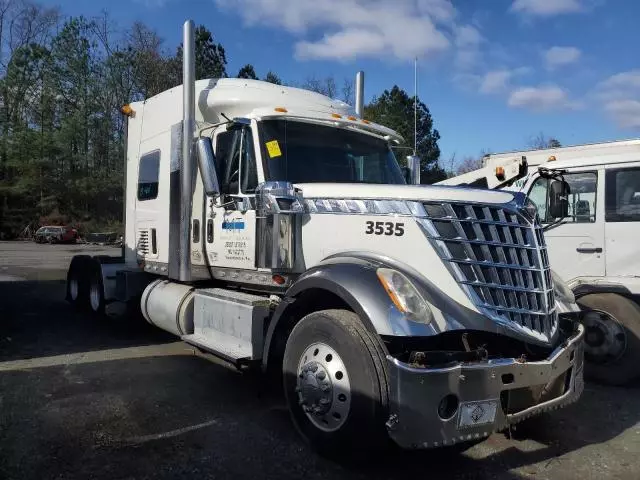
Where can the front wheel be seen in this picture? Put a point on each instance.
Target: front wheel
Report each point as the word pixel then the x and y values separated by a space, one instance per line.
pixel 612 338
pixel 335 383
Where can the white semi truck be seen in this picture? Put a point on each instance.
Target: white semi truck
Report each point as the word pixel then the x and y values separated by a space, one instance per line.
pixel 429 315
pixel 595 247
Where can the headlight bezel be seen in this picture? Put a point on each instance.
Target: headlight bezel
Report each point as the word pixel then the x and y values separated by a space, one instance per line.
pixel 405 296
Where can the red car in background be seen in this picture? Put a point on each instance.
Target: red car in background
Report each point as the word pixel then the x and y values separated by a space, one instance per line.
pixel 56 234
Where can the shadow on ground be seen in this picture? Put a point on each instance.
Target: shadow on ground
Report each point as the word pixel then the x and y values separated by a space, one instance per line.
pixel 180 416
pixel 35 321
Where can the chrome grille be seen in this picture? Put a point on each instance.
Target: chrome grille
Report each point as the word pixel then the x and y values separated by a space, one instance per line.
pixel 498 255
pixel 143 242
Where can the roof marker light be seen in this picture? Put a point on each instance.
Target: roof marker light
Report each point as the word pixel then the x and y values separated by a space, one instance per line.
pixel 128 111
pixel 336 115
pixel 281 109
pixel 500 173
pixel 552 158
pixel 352 118
pixel 366 121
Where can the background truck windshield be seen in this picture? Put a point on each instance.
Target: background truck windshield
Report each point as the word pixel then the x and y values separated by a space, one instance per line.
pixel 300 152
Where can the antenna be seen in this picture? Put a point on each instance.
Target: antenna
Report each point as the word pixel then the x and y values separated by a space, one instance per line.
pixel 415 106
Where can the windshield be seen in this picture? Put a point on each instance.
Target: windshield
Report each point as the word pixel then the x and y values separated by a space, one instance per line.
pixel 300 152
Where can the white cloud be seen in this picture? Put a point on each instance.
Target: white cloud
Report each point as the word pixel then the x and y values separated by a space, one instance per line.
pixel 467 41
pixel 467 36
pixel 559 56
pixel 497 81
pixel 400 29
pixel 625 112
pixel 541 98
pixel 620 97
pixel 546 8
pixel 621 84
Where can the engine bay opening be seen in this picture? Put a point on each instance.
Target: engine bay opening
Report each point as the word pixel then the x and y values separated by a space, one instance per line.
pixel 469 346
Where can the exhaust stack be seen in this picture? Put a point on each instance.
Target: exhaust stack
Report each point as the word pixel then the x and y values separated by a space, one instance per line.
pixel 360 93
pixel 188 129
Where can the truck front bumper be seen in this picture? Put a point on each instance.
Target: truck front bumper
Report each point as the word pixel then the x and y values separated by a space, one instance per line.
pixel 432 407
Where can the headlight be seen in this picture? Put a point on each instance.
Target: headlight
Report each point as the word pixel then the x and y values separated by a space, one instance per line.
pixel 404 295
pixel 562 289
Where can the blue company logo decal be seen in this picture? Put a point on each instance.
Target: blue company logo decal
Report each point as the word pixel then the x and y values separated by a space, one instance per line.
pixel 233 225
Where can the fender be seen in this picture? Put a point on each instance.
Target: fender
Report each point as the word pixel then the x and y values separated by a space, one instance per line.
pixel 352 277
pixel 352 280
pixel 587 288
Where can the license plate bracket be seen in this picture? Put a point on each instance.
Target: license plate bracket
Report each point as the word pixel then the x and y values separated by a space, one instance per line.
pixel 473 414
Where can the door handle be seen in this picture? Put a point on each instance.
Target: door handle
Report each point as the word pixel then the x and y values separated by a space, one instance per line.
pixel 589 250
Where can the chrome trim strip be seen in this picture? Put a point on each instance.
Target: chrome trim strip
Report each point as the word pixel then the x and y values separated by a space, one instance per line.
pixel 523 311
pixel 503 287
pixel 511 266
pixel 491 244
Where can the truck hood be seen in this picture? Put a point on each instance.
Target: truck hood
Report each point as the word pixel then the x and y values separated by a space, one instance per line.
pixel 404 192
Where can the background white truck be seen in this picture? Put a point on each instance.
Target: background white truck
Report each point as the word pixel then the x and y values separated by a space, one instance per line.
pixel 428 315
pixel 595 248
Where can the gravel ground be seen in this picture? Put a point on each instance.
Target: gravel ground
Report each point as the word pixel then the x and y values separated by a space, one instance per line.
pixel 110 398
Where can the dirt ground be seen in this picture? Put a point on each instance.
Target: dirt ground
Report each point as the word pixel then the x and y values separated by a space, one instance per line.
pixel 110 398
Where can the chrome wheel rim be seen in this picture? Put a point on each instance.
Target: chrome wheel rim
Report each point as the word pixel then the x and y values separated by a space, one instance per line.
pixel 323 387
pixel 605 337
pixel 94 296
pixel 74 288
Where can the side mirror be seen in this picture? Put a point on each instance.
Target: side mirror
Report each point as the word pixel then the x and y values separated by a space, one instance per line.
pixel 207 165
pixel 413 165
pixel 559 191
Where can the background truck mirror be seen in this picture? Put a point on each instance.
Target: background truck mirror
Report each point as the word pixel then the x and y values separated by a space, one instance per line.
pixel 207 165
pixel 413 164
pixel 559 191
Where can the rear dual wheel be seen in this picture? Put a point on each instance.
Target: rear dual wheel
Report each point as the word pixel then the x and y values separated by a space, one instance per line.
pixel 335 383
pixel 85 288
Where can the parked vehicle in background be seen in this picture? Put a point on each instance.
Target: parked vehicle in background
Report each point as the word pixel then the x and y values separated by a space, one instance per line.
pixel 56 234
pixel 595 248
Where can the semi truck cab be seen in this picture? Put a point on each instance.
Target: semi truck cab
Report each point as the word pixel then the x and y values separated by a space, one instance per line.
pixel 428 315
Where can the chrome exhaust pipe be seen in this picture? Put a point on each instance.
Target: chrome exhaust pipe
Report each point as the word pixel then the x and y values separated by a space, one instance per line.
pixel 188 129
pixel 360 93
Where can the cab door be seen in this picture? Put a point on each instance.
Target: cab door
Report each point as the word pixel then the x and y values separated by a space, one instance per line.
pixel 622 219
pixel 576 244
pixel 230 228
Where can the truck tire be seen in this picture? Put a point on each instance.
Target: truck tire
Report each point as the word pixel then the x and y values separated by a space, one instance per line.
pixel 76 293
pixel 335 383
pixel 612 339
pixel 96 292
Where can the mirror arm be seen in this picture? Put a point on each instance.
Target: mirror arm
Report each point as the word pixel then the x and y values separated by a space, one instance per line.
pixel 555 224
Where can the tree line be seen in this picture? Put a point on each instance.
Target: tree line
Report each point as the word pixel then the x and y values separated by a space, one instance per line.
pixel 62 83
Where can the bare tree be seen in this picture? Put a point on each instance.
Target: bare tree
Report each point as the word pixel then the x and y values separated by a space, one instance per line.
pixel 348 94
pixel 23 22
pixel 150 65
pixel 326 86
pixel 541 141
pixel 469 164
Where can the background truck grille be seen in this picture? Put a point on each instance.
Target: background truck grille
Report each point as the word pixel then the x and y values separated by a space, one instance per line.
pixel 143 242
pixel 499 257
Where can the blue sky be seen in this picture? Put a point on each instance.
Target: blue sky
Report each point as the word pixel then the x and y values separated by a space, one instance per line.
pixel 494 73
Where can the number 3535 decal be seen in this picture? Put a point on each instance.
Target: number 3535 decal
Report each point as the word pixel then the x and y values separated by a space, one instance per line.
pixel 384 228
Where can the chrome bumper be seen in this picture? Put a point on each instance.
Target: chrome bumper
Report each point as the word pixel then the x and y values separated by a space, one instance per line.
pixel 415 394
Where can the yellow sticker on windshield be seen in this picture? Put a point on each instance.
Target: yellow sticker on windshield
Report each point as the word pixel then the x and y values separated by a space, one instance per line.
pixel 273 148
